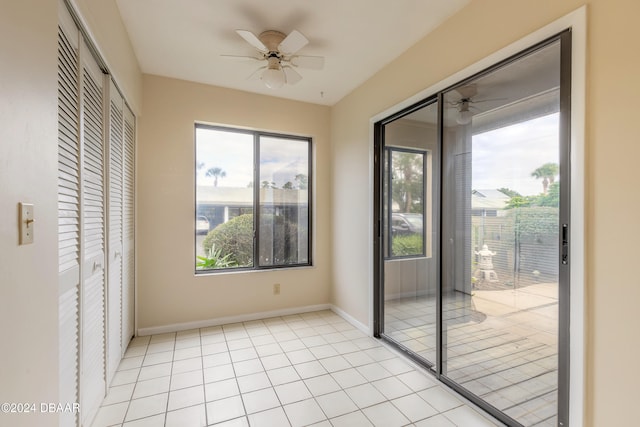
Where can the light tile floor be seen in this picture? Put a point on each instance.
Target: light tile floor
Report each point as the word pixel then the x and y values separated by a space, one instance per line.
pixel 308 369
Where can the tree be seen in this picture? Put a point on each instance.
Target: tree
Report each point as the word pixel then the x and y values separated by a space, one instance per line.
pixel 520 202
pixel 268 184
pixel 548 173
pixel 509 192
pixel 301 180
pixel 288 185
pixel 551 198
pixel 407 180
pixel 216 173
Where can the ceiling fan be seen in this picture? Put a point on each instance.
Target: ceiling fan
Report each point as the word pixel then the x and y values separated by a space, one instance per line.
pixel 464 104
pixel 279 51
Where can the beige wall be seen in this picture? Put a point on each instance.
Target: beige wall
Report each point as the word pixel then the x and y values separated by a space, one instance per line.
pixel 168 291
pixel 28 173
pixel 613 199
pixel 28 161
pixel 613 285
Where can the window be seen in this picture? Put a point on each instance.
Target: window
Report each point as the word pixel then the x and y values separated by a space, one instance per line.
pixel 252 199
pixel 404 202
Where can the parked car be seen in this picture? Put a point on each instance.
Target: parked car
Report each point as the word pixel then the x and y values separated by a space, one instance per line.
pixel 406 223
pixel 202 225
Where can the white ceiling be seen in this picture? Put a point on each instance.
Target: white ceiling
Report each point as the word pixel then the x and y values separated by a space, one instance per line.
pixel 184 39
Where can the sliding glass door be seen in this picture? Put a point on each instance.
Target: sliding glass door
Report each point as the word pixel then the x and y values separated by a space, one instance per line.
pixel 409 218
pixel 477 288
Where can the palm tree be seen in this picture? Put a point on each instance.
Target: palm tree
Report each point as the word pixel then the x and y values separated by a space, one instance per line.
pixel 548 173
pixel 216 173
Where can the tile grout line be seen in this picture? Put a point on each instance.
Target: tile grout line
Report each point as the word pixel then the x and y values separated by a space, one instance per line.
pixel 135 383
pixel 204 390
pixel 318 327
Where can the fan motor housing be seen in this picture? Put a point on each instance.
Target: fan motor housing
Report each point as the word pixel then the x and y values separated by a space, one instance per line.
pixel 272 39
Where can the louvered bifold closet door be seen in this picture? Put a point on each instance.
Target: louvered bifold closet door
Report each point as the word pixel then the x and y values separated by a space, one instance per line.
pixel 93 214
pixel 68 215
pixel 115 249
pixel 128 259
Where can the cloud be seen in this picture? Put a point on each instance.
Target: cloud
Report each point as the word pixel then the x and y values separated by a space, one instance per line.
pixel 280 158
pixel 506 157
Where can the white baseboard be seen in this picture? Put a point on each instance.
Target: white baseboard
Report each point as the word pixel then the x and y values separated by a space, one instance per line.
pixel 352 320
pixel 175 327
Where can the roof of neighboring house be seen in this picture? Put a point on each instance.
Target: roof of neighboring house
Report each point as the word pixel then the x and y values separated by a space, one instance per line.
pixel 234 196
pixel 488 199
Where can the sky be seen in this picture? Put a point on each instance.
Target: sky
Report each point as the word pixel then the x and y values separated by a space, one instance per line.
pixel 503 157
pixel 281 159
pixel 506 157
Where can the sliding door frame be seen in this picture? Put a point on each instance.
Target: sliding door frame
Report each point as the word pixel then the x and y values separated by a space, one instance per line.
pixel 378 219
pixel 378 211
pixel 564 284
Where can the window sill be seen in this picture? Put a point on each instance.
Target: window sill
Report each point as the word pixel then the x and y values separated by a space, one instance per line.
pixel 221 272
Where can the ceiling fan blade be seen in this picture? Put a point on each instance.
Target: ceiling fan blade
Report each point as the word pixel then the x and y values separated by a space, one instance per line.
pixel 291 75
pixel 309 62
pixel 467 91
pixel 252 40
pixel 242 57
pixel 256 74
pixel 473 101
pixel 293 43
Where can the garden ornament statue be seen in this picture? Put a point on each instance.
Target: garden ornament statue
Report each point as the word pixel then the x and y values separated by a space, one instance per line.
pixel 485 269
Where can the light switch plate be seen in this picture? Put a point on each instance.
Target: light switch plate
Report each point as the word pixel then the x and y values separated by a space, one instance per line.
pixel 26 223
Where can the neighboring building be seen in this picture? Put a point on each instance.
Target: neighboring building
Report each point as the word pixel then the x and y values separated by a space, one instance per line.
pixel 488 202
pixel 220 204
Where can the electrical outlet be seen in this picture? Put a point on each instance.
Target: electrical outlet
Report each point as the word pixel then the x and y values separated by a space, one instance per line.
pixel 276 289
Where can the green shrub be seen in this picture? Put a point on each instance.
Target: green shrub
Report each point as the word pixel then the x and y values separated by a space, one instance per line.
pixel 279 241
pixel 406 245
pixel 234 239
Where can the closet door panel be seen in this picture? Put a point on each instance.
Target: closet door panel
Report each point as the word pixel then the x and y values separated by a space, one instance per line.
pixel 115 168
pixel 93 220
pixel 128 229
pixel 96 137
pixel 68 216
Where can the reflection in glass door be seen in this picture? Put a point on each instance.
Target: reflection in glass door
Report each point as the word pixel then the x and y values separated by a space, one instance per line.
pixel 480 292
pixel 410 265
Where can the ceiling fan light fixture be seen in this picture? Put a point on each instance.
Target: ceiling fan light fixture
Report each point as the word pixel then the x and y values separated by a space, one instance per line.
pixel 273 79
pixel 273 76
pixel 464 115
